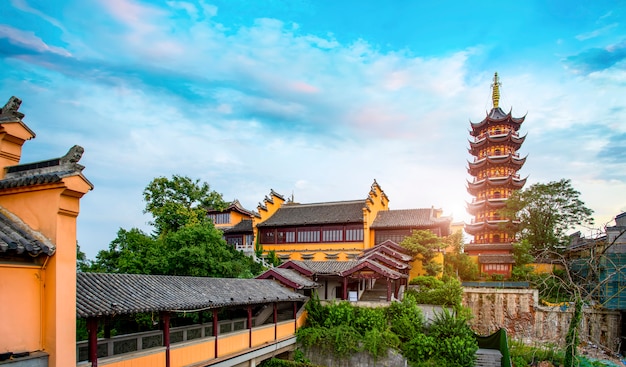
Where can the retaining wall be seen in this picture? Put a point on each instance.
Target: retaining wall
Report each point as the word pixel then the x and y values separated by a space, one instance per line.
pixel 518 311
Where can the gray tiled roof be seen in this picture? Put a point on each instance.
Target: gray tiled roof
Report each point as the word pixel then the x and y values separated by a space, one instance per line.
pixel 99 294
pixel 245 226
pixel 326 267
pixel 44 172
pixel 290 275
pixel 407 218
pixel 17 238
pixel 317 214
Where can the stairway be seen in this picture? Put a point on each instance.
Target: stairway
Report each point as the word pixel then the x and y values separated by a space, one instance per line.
pixel 377 294
pixel 488 358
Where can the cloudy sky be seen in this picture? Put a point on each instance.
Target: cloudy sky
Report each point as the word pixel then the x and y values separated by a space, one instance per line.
pixel 315 98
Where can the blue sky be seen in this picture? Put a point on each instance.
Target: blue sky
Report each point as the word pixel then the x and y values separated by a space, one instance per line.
pixel 315 98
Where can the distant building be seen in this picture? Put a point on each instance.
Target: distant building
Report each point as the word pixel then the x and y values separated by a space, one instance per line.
pixel 494 169
pixel 236 223
pixel 39 203
pixel 339 230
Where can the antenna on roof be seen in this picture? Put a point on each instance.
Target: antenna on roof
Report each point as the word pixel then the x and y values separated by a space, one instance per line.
pixel 495 94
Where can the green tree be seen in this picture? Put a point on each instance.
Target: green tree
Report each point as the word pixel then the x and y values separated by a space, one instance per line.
pixel 456 262
pixel 543 213
pixel 184 242
pixel 426 245
pixel 179 201
pixel 82 263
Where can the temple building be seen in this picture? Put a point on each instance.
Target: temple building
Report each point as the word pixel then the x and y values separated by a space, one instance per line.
pixel 494 145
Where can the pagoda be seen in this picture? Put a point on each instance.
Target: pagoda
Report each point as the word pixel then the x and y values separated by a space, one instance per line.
pixel 496 162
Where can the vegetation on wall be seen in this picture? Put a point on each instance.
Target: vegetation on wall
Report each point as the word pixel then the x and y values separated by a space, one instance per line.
pixel 446 291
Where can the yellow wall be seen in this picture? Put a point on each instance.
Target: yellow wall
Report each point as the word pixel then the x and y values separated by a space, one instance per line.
pixel 150 360
pixel 233 343
pixel 52 210
pixel 285 328
pixel 192 352
pixel 262 334
pixel 21 288
pixel 545 268
pixel 417 268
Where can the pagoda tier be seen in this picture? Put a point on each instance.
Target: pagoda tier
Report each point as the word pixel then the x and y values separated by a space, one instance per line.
pixel 485 205
pixel 510 140
pixel 497 117
pixel 511 161
pixel 488 226
pixel 493 247
pixel 502 182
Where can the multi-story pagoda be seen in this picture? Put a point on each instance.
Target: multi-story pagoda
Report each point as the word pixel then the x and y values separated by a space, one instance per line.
pixel 495 177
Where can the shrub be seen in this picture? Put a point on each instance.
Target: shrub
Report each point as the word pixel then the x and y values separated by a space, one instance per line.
pixel 433 291
pixel 405 318
pixel 421 348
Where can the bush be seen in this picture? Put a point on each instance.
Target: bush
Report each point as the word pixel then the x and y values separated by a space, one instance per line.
pixel 405 318
pixel 421 348
pixel 433 291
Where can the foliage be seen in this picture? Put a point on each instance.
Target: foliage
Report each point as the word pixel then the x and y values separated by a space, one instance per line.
pixel 272 258
pixel 275 362
pixel 178 202
pixel 553 287
pixel 545 213
pixel 572 338
pixel 425 244
pixel 460 265
pixel 527 355
pixel 82 263
pixel 449 341
pixel 421 347
pixel 377 342
pixel 405 318
pixel 433 291
pixel 316 313
pixel 522 254
pixel 185 241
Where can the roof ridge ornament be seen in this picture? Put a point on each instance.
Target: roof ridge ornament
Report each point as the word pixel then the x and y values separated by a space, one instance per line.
pixel 495 93
pixel 10 109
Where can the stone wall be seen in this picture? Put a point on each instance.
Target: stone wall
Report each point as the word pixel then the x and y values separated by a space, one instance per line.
pixel 362 359
pixel 518 311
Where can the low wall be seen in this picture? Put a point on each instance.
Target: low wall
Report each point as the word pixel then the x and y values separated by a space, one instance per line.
pixel 518 311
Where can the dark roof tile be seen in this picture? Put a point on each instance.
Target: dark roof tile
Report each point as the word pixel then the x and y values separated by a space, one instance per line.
pixel 100 294
pixel 408 218
pixel 317 214
pixel 17 238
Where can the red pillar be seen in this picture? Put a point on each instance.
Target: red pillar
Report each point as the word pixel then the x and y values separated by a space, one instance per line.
pixel 388 290
pixel 345 288
pixel 92 346
pixel 165 320
pixel 250 326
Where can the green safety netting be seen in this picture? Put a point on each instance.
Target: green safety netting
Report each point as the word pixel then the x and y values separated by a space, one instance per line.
pixel 497 341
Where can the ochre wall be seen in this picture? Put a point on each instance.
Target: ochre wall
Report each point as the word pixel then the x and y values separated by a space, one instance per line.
pixel 21 287
pixel 52 210
pixel 188 353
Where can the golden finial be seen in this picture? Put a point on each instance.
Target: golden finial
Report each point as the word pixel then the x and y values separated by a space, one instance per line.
pixel 496 91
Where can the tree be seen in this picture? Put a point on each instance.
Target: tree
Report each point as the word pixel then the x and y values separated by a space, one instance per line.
pixel 184 242
pixel 82 263
pixel 543 213
pixel 457 263
pixel 178 202
pixel 426 245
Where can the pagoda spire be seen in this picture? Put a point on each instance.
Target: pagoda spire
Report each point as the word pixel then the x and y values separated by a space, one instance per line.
pixel 495 96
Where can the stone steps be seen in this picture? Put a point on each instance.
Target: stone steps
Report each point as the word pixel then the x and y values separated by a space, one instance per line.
pixel 488 358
